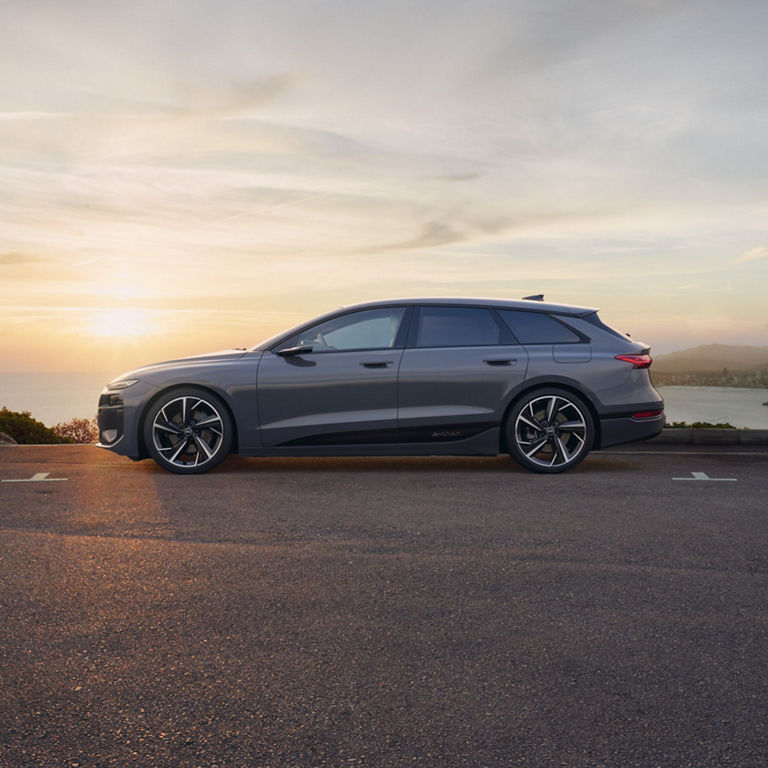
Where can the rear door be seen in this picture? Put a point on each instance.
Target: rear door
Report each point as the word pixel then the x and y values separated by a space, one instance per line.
pixel 457 372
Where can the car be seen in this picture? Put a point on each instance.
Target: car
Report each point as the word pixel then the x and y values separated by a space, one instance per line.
pixel 546 383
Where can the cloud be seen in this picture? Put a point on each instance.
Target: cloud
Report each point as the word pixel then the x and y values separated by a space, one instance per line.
pixel 31 115
pixel 222 100
pixel 18 258
pixel 434 234
pixel 455 177
pixel 755 254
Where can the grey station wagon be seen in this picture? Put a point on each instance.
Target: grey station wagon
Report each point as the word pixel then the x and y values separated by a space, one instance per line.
pixel 545 382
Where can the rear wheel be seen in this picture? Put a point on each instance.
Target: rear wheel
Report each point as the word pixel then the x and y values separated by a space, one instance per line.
pixel 188 431
pixel 549 430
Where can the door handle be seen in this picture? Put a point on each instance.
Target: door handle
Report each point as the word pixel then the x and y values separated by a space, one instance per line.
pixel 507 361
pixel 377 364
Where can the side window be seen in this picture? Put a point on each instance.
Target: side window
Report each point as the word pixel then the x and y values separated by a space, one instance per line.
pixel 537 328
pixel 367 329
pixel 457 327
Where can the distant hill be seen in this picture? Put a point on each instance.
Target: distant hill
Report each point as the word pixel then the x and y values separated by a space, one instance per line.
pixel 712 358
pixel 721 365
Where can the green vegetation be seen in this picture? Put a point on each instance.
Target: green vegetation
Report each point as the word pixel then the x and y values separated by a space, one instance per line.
pixel 700 425
pixel 26 430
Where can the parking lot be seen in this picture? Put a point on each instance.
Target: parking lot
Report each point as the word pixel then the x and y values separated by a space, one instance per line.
pixel 384 612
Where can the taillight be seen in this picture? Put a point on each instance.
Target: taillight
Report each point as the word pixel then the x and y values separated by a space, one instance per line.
pixel 637 361
pixel 646 414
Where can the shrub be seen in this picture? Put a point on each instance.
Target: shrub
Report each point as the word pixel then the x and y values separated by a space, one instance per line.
pixel 25 430
pixel 78 430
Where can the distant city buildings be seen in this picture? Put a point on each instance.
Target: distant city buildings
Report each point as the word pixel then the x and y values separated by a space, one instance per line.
pixel 756 378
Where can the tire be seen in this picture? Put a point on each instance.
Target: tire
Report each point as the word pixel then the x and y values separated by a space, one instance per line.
pixel 188 431
pixel 549 430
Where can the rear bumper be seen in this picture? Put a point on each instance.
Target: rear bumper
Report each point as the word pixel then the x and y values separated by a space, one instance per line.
pixel 626 429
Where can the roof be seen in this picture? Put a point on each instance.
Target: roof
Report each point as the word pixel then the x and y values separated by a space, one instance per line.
pixel 539 306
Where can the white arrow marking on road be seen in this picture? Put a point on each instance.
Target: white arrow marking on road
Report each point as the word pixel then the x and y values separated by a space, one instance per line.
pixel 38 477
pixel 705 476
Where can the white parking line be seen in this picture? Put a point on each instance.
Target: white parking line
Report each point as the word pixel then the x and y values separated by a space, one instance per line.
pixel 38 477
pixel 630 451
pixel 705 476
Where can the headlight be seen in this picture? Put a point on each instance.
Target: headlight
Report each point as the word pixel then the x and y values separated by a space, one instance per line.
pixel 114 386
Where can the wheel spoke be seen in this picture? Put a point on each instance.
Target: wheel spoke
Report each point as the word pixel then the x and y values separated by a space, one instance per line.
pixel 201 444
pixel 537 447
pixel 168 426
pixel 551 408
pixel 570 426
pixel 181 446
pixel 533 415
pixel 215 419
pixel 535 426
pixel 561 450
pixel 165 415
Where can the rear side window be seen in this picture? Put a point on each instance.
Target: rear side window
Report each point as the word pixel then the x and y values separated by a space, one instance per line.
pixel 457 327
pixel 537 328
pixel 598 323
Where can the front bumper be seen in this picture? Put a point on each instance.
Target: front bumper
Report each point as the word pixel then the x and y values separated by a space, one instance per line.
pixel 111 418
pixel 118 418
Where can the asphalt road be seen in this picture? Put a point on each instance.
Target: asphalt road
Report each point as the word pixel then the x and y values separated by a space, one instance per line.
pixel 384 612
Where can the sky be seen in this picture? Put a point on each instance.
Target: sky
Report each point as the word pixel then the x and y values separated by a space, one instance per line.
pixel 186 176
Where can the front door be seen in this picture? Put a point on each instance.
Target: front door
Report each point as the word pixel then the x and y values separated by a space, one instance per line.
pixel 334 383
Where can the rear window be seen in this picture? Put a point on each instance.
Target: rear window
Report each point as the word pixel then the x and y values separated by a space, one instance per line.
pixel 457 327
pixel 537 328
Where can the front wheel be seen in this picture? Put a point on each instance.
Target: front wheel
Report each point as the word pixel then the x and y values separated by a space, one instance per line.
pixel 549 430
pixel 188 431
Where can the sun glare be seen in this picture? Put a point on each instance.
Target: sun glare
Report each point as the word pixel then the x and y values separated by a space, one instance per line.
pixel 124 323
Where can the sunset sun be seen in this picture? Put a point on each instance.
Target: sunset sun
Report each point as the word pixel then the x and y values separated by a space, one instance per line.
pixel 120 323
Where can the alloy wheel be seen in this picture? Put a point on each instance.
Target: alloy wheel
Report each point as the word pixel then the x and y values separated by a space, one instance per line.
pixel 551 432
pixel 188 432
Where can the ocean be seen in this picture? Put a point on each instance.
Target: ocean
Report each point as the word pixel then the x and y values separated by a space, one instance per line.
pixel 734 405
pixel 55 397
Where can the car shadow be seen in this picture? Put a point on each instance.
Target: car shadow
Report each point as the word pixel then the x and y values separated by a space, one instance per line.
pixel 593 464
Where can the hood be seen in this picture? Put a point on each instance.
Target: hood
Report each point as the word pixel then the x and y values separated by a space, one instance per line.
pixel 197 361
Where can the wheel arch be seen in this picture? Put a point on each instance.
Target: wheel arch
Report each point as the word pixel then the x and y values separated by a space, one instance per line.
pixel 545 383
pixel 211 390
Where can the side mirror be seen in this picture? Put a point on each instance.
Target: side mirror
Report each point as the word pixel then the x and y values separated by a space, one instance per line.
pixel 304 349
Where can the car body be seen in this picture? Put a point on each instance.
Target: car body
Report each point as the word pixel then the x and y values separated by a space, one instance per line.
pixel 545 382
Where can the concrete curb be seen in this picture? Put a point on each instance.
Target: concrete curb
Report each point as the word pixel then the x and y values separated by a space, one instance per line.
pixel 673 436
